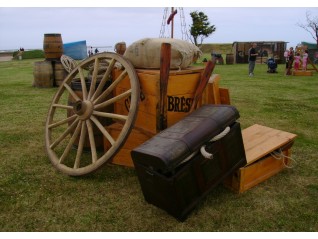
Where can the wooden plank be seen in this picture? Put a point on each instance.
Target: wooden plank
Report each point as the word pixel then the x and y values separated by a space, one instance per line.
pixel 189 70
pixel 204 79
pixel 224 96
pixel 165 58
pixel 211 94
pixel 252 175
pixel 183 84
pixel 312 64
pixel 135 138
pixel 261 171
pixel 302 73
pixel 261 140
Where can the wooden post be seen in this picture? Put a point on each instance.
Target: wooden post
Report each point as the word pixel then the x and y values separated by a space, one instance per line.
pixel 205 76
pixel 313 65
pixel 165 57
pixel 172 23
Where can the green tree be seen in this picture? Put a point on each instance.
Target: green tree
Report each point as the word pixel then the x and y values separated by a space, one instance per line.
pixel 200 28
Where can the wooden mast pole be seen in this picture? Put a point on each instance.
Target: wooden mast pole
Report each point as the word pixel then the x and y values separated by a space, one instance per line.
pixel 172 23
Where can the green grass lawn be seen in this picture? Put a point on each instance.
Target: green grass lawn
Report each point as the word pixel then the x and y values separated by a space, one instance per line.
pixel 36 197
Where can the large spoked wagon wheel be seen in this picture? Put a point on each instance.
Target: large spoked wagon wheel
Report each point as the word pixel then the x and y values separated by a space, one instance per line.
pixel 68 63
pixel 83 107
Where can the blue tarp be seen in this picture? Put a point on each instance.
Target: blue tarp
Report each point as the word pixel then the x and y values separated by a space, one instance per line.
pixel 76 50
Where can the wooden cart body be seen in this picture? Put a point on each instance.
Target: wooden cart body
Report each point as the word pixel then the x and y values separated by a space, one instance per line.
pixel 180 93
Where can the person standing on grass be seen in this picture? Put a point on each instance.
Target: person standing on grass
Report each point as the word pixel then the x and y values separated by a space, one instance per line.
pixel 297 59
pixel 289 63
pixel 252 59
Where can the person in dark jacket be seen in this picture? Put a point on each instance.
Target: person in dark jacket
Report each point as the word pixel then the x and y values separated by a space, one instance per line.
pixel 289 63
pixel 252 59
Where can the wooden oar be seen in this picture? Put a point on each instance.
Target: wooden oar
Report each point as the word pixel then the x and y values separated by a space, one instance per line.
pixel 205 76
pixel 165 57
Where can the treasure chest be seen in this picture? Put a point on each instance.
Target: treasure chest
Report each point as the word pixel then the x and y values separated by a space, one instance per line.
pixel 173 173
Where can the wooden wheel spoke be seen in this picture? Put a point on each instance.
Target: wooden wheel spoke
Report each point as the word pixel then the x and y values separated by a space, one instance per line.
pixel 80 145
pixel 110 115
pixel 68 63
pixel 111 87
pixel 84 89
pixel 81 125
pixel 114 99
pixel 65 133
pixel 67 107
pixel 94 79
pixel 91 140
pixel 104 80
pixel 103 130
pixel 61 122
pixel 74 95
pixel 71 142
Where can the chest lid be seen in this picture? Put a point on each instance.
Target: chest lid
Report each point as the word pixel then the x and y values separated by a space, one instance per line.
pixel 171 146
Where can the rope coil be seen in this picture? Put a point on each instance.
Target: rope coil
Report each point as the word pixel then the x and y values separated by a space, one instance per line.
pixel 279 155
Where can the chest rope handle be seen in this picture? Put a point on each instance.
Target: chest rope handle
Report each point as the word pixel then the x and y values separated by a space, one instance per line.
pixel 207 155
pixel 204 153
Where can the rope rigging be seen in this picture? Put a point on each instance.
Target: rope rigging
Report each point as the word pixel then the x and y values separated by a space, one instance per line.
pixel 167 25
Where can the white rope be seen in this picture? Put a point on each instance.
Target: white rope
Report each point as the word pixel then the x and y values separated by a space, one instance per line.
pixel 221 135
pixel 281 156
pixel 207 155
pixel 202 149
pixel 189 157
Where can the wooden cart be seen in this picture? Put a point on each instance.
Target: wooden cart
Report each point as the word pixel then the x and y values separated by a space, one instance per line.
pixel 115 95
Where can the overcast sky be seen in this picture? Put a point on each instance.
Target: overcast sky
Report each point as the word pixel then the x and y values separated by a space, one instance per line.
pixel 105 25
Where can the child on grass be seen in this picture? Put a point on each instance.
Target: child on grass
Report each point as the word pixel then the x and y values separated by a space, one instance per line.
pixel 305 58
pixel 297 59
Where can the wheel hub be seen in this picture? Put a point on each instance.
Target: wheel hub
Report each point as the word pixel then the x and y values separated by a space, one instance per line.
pixel 83 109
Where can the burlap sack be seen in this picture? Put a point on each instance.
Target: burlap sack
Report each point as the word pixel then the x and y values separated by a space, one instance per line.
pixel 145 53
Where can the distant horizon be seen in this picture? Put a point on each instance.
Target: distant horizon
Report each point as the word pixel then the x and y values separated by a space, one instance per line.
pixel 105 26
pixel 112 47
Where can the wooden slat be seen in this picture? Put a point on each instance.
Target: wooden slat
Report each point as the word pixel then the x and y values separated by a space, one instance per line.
pixel 189 70
pixel 165 58
pixel 302 73
pixel 204 79
pixel 135 138
pixel 261 140
pixel 224 96
pixel 211 94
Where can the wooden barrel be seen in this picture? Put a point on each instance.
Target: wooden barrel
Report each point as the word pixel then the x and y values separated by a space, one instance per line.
pixel 120 48
pixel 98 136
pixel 229 59
pixel 53 46
pixel 43 74
pixel 59 73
